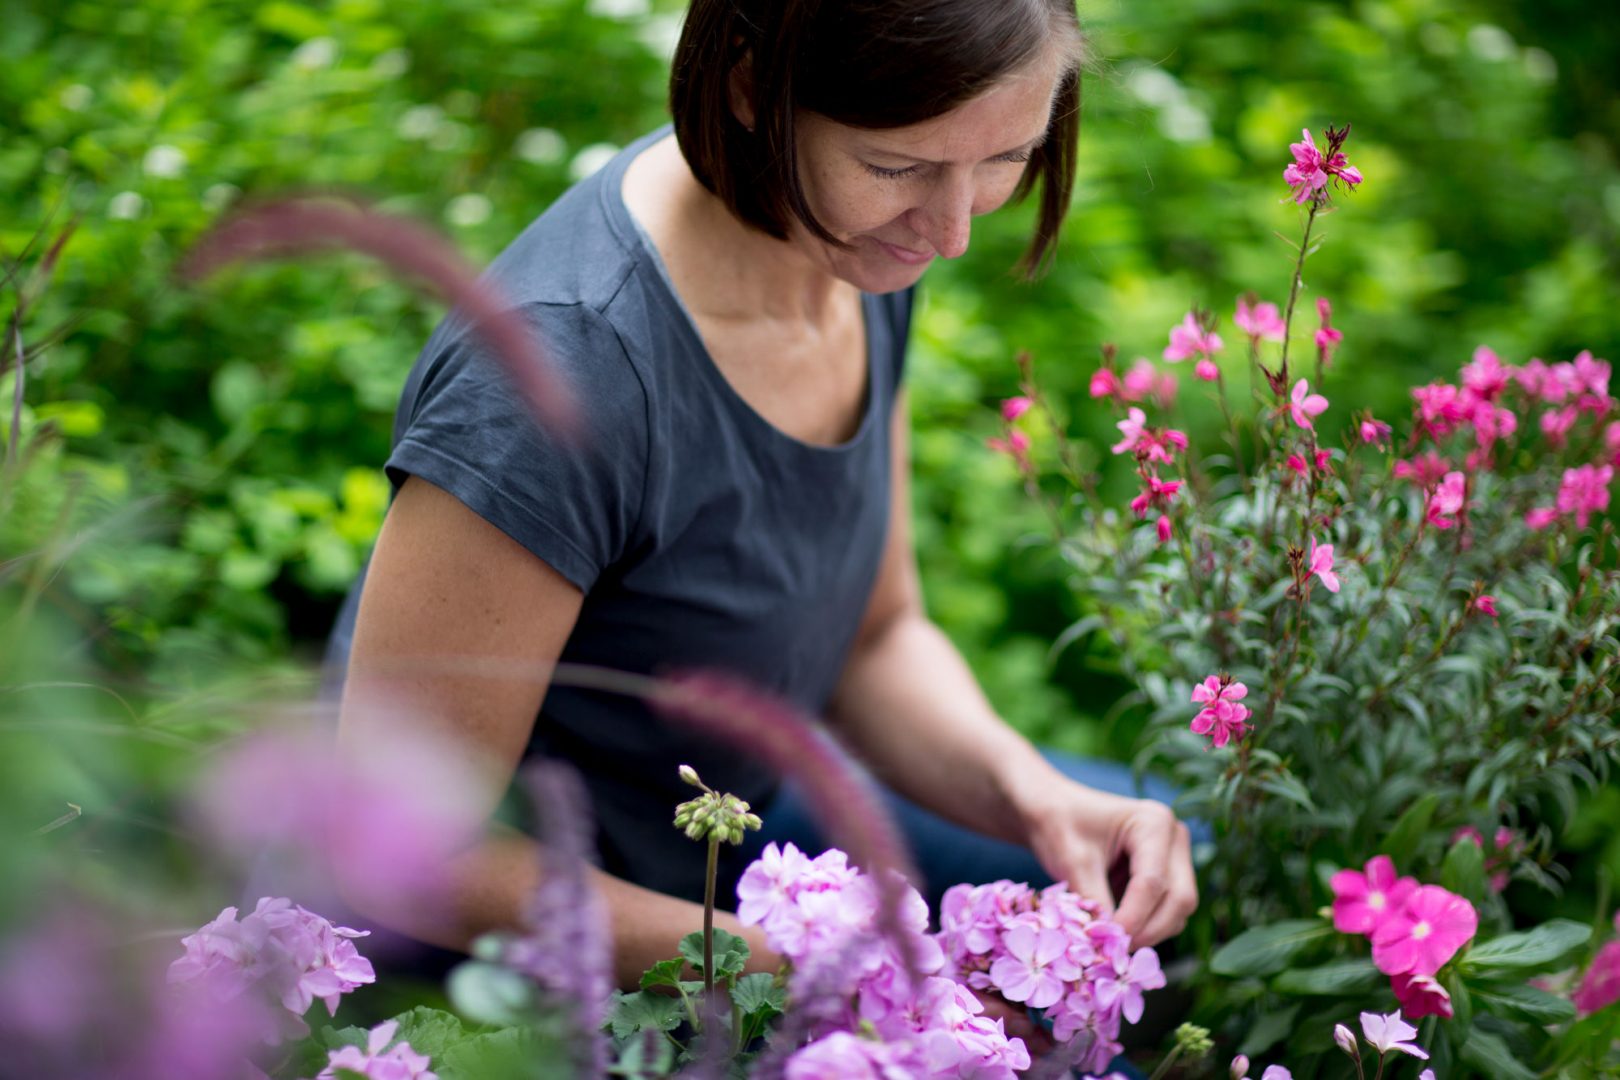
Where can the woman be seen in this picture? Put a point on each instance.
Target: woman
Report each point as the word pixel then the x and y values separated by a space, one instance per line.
pixel 731 301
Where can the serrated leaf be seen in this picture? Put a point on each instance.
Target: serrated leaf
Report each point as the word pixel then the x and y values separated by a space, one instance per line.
pixel 663 973
pixel 1267 950
pixel 730 952
pixel 429 1031
pixel 758 993
pixel 1541 948
pixel 1340 977
pixel 1521 1001
pixel 508 1054
pixel 643 1011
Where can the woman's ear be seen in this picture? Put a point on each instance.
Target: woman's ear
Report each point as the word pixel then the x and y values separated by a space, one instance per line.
pixel 741 90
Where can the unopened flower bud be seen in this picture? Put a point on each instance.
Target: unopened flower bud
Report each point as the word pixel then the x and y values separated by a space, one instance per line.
pixel 1193 1040
pixel 690 775
pixel 1346 1041
pixel 1240 1067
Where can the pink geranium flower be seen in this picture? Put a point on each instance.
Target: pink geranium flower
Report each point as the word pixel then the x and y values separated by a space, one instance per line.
pixel 1585 491
pixel 1189 338
pixel 1262 322
pixel 1034 967
pixel 1362 900
pixel 1425 933
pixel 1447 501
pixel 1123 988
pixel 1321 564
pixel 1304 405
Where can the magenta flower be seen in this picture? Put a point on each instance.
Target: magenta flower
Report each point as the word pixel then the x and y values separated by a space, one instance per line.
pixel 1486 376
pixel 1304 405
pixel 379 1061
pixel 1390 1032
pixel 1447 501
pixel 1222 718
pixel 1189 338
pixel 1600 986
pixel 1327 338
pixel 1485 604
pixel 1611 442
pixel 1425 933
pixel 1362 901
pixel 1585 491
pixel 1207 370
pixel 1297 463
pixel 1540 517
pixel 1034 967
pixel 1014 407
pixel 1157 493
pixel 1105 384
pixel 1424 471
pixel 1374 432
pixel 1556 424
pixel 1132 427
pixel 1263 322
pixel 1422 995
pixel 1321 564
pixel 1311 169
pixel 1015 445
pixel 1440 408
pixel 1161 528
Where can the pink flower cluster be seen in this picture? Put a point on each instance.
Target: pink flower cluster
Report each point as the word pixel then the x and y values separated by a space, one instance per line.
pixel 1312 168
pixel 1415 930
pixel 1600 986
pixel 281 951
pixel 1050 950
pixel 818 913
pixel 1141 382
pixel 379 1061
pixel 1221 717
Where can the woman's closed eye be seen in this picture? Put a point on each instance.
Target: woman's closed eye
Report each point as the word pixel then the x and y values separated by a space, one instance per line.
pixel 1017 157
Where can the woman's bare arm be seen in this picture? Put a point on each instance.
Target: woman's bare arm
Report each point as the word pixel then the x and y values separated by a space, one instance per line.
pixel 461 627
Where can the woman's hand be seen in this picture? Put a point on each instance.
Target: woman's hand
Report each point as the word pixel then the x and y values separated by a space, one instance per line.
pixel 1090 838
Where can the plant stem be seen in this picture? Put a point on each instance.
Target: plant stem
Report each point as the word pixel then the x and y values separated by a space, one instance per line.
pixel 708 916
pixel 1169 1060
pixel 1293 290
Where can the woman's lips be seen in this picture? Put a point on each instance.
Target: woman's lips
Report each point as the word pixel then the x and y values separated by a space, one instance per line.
pixel 905 255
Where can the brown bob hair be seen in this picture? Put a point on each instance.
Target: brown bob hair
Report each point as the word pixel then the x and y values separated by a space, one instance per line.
pixel 869 64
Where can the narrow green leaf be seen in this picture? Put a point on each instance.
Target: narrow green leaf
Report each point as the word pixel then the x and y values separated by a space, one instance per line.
pixel 1401 842
pixel 1491 1056
pixel 1267 950
pixel 1463 872
pixel 1521 1001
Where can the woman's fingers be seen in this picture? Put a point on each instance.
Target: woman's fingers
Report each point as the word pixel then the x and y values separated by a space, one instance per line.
pixel 1150 841
pixel 1180 899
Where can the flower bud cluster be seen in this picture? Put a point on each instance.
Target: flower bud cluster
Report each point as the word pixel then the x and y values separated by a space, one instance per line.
pixel 713 815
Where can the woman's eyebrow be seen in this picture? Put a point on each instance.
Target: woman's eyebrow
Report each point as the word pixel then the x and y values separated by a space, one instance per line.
pixel 1027 148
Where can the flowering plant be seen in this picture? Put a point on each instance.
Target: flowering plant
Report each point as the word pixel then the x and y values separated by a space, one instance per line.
pixel 1386 646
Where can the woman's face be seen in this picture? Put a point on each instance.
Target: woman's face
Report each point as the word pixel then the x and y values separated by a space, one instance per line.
pixel 901 196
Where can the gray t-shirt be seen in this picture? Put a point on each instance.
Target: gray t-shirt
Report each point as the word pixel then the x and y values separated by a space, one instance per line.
pixel 702 536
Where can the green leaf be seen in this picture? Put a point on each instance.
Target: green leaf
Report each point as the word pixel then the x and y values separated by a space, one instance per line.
pixel 643 1011
pixel 1401 842
pixel 1269 1030
pixel 1267 950
pixel 1341 977
pixel 1538 949
pixel 1491 1056
pixel 1462 1002
pixel 730 952
pixel 1521 1001
pixel 508 1054
pixel 759 993
pixel 490 993
pixel 1464 870
pixel 663 973
pixel 429 1031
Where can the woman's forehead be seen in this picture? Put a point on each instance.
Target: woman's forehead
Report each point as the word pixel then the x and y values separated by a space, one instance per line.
pixel 1012 115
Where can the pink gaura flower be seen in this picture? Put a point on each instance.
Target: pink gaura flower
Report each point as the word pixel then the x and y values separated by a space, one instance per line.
pixel 379 1061
pixel 1556 424
pixel 1425 933
pixel 1423 471
pixel 1321 564
pixel 1422 995
pixel 1447 501
pixel 1375 432
pixel 1532 377
pixel 1132 427
pixel 1600 986
pixel 1327 338
pixel 1363 899
pixel 1189 338
pixel 1262 322
pixel 1106 384
pixel 1162 528
pixel 1589 377
pixel 1143 381
pixel 1014 407
pixel 1304 405
pixel 1485 604
pixel 1157 493
pixel 1207 370
pixel 1585 491
pixel 1440 408
pixel 1311 169
pixel 1486 376
pixel 1540 517
pixel 1390 1032
pixel 1297 463
pixel 1611 442
pixel 1015 445
pixel 1222 718
pixel 1034 967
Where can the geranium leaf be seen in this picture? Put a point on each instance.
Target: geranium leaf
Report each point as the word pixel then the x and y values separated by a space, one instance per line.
pixel 730 952
pixel 663 973
pixel 642 1011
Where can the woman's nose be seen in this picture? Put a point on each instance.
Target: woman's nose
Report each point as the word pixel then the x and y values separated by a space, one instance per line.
pixel 946 218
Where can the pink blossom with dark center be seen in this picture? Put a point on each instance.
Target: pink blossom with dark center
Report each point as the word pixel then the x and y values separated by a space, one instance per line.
pixel 1447 501
pixel 1600 986
pixel 1486 376
pixel 1262 322
pixel 1425 933
pixel 1585 491
pixel 1421 995
pixel 1304 406
pixel 1321 564
pixel 1364 899
pixel 379 1060
pixel 1189 338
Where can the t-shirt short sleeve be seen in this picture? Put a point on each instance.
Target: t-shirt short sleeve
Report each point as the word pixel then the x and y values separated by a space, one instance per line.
pixel 572 501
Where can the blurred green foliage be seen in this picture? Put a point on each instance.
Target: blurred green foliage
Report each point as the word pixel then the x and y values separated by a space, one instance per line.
pixel 242 424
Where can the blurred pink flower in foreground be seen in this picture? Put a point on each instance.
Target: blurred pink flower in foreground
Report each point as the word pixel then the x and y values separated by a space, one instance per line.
pixel 1190 338
pixel 1540 517
pixel 1304 405
pixel 1105 384
pixel 1485 604
pixel 1016 446
pixel 1321 564
pixel 1556 424
pixel 842 1056
pixel 1312 169
pixel 1363 899
pixel 1425 933
pixel 1262 322
pixel 1585 491
pixel 1486 376
pixel 379 1061
pixel 1207 370
pixel 1600 987
pixel 1222 718
pixel 1014 407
